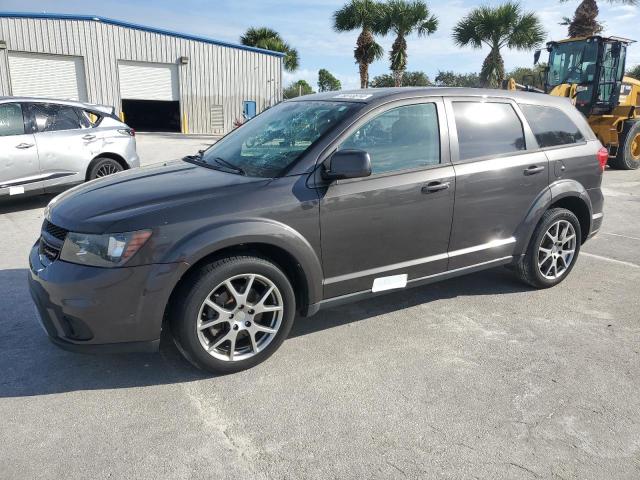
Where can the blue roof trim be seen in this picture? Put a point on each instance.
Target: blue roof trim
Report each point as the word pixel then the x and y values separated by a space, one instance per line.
pixel 110 21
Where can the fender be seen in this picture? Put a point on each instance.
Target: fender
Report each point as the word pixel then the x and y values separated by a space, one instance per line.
pixel 215 237
pixel 556 191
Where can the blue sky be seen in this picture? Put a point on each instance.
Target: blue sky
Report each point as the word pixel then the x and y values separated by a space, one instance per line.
pixel 307 26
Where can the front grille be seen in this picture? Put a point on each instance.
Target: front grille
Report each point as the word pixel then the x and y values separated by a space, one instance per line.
pixel 49 251
pixel 55 231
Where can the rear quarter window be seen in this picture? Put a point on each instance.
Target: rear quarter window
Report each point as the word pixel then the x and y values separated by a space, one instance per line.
pixel 551 126
pixel 487 128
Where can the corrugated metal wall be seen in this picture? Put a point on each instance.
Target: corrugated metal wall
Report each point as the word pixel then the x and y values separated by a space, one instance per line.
pixel 214 75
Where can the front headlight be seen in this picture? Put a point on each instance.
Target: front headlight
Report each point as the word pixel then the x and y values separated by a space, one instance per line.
pixel 108 250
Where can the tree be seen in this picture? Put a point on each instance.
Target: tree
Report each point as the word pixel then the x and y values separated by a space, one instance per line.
pixel 363 15
pixel 502 26
pixel 584 22
pixel 327 82
pixel 410 79
pixel 452 79
pixel 634 72
pixel 403 17
pixel 269 39
pixel 296 89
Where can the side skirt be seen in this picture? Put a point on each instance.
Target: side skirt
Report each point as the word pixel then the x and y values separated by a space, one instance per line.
pixel 416 282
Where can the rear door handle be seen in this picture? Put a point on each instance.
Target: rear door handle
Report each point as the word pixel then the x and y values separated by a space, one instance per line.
pixel 533 169
pixel 89 137
pixel 435 187
pixel 22 146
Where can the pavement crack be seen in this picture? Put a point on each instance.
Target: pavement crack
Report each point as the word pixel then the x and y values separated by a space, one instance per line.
pixel 396 467
pixel 517 465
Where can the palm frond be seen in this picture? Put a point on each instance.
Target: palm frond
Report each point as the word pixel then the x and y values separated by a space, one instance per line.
pixel 255 35
pixel 499 26
pixel 357 14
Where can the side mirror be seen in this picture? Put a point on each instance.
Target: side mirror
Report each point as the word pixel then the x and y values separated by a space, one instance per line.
pixel 536 56
pixel 347 164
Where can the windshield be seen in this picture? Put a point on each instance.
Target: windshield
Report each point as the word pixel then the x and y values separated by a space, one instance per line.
pixel 573 62
pixel 268 144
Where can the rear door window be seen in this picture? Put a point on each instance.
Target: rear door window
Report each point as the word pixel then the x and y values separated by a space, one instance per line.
pixel 11 119
pixel 487 128
pixel 402 138
pixel 551 126
pixel 49 117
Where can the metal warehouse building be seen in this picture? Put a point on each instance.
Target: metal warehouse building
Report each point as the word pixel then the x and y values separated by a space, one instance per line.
pixel 157 80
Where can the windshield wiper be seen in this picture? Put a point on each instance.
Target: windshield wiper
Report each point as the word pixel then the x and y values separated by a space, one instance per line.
pixel 230 166
pixel 220 162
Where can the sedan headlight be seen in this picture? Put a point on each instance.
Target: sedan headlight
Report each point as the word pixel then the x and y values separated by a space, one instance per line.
pixel 108 250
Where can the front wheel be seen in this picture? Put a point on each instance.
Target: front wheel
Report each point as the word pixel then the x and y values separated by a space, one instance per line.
pixel 553 249
pixel 233 314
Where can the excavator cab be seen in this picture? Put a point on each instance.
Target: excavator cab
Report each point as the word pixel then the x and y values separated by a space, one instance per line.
pixel 587 70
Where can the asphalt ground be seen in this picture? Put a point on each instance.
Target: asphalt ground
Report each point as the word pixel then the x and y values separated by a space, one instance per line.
pixel 475 377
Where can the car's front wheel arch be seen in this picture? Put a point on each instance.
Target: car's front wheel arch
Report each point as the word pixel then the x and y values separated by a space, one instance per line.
pixel 283 259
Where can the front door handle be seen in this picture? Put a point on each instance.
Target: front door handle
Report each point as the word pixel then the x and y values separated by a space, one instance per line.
pixel 533 169
pixel 22 146
pixel 89 137
pixel 435 187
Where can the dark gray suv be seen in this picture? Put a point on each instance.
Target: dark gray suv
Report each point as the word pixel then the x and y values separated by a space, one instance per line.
pixel 322 200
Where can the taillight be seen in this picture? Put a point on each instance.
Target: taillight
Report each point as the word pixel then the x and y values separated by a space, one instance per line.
pixel 603 157
pixel 132 132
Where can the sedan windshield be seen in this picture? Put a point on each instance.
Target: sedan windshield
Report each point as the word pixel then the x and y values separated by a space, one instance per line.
pixel 269 143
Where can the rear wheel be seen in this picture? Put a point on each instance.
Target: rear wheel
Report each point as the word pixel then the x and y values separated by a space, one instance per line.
pixel 628 156
pixel 553 249
pixel 233 314
pixel 103 167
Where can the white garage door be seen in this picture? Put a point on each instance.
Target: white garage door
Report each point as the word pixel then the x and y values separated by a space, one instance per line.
pixel 148 81
pixel 53 76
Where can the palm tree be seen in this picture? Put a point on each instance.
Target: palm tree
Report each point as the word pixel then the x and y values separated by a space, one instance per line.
pixel 502 26
pixel 363 15
pixel 584 22
pixel 403 18
pixel 269 39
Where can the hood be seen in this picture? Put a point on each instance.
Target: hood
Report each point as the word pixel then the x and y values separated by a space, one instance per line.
pixel 121 198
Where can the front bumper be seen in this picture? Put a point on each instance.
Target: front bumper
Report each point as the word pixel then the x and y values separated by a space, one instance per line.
pixel 91 309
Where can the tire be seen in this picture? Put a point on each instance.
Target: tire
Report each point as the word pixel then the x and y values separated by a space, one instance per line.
pixel 628 156
pixel 205 299
pixel 103 167
pixel 541 276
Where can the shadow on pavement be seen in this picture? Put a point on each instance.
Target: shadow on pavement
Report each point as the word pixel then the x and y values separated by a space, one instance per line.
pixel 31 365
pixel 11 205
pixel 489 282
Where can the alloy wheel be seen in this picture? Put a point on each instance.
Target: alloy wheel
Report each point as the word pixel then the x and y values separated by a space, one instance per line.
pixel 106 169
pixel 240 317
pixel 557 250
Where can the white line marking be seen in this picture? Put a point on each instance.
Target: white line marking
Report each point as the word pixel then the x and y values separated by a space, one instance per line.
pixel 612 260
pixel 619 235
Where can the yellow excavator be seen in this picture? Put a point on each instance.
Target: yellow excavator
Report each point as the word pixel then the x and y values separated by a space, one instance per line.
pixel 590 72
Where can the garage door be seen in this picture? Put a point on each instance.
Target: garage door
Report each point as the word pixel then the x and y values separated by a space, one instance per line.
pixel 148 81
pixel 53 76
